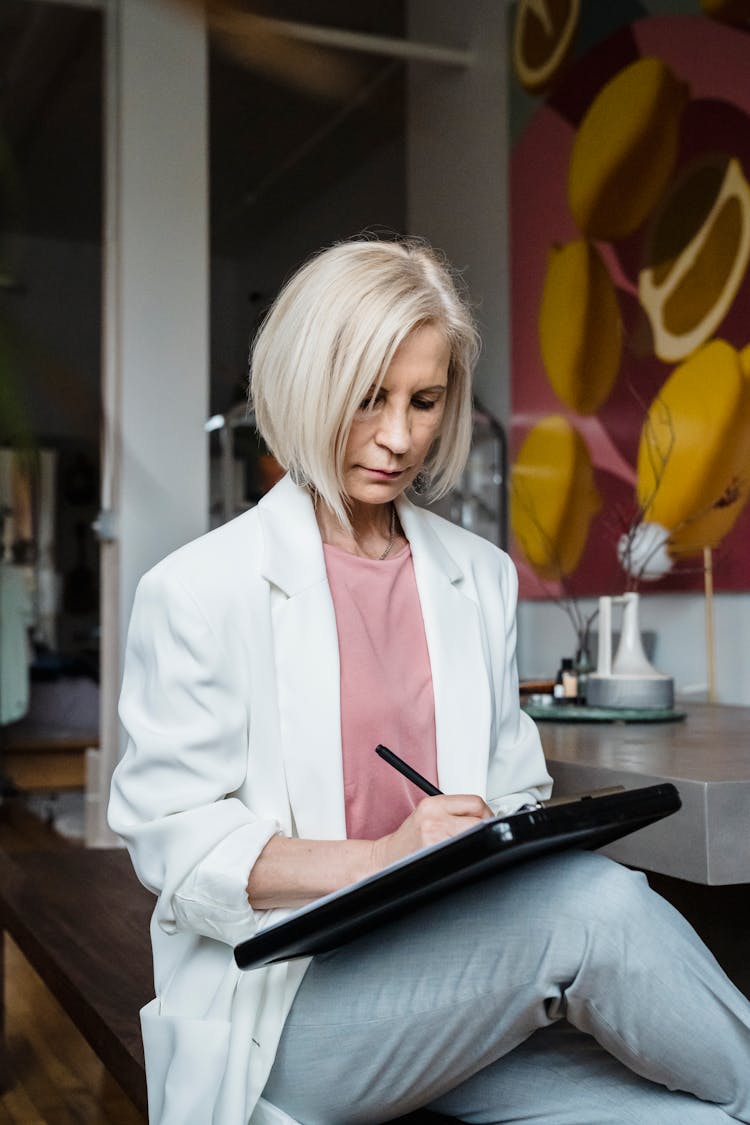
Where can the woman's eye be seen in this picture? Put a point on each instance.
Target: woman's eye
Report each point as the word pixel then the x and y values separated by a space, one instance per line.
pixel 370 402
pixel 424 403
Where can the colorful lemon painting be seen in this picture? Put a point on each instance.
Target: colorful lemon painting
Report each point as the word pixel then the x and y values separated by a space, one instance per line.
pixel 630 288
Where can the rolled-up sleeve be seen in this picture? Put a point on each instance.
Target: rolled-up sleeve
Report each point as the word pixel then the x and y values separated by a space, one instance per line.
pixel 187 724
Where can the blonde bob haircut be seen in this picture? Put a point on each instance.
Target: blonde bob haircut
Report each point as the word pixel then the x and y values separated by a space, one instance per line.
pixel 325 347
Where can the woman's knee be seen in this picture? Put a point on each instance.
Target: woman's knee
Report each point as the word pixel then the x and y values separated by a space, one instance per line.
pixel 589 893
pixel 610 885
pixel 596 884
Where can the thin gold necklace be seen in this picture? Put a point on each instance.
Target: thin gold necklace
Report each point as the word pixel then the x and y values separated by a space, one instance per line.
pixel 391 537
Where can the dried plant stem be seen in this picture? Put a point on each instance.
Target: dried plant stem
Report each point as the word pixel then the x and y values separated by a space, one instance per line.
pixel 708 586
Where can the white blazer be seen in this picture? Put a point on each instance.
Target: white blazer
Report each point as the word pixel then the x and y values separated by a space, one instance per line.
pixel 231 703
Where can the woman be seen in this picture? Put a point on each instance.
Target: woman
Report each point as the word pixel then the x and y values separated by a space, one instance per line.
pixel 265 661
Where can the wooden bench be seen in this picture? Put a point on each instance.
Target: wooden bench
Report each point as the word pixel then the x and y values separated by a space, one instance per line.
pixel 46 749
pixel 41 757
pixel 81 918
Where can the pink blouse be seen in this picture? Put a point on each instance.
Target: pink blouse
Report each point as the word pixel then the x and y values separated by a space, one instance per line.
pixel 386 687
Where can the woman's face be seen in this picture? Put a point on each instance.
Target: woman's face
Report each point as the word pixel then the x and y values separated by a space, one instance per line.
pixel 391 437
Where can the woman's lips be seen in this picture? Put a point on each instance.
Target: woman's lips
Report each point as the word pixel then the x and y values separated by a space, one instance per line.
pixel 382 474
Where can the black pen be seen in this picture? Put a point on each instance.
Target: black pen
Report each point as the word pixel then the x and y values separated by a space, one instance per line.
pixel 400 765
pixel 433 791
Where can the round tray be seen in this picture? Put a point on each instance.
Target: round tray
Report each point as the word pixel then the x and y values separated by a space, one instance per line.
pixel 579 713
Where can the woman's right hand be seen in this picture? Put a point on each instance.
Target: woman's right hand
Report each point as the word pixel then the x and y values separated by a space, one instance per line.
pixel 290 872
pixel 433 820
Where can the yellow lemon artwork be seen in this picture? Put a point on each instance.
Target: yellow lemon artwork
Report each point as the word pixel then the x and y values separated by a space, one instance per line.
pixel 553 497
pixel 580 333
pixel 697 253
pixel 625 149
pixel 694 452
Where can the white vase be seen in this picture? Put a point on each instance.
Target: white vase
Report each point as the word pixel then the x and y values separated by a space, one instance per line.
pixel 630 680
pixel 630 659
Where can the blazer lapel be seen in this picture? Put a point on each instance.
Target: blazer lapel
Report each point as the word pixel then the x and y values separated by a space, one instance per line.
pixel 459 672
pixel 306 657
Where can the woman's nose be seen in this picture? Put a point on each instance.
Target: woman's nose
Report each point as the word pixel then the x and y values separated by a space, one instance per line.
pixel 394 430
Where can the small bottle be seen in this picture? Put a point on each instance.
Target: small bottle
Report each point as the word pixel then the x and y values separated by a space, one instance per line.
pixel 566 683
pixel 569 681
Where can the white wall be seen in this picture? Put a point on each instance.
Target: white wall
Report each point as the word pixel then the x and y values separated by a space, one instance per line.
pixel 156 329
pixel 456 168
pixel 678 622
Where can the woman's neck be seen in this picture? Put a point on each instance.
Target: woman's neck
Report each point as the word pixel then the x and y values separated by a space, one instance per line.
pixel 374 533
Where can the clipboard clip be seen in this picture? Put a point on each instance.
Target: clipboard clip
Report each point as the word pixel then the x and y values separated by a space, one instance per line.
pixel 569 798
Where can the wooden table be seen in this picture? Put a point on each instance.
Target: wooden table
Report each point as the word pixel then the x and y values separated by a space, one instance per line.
pixel 707 756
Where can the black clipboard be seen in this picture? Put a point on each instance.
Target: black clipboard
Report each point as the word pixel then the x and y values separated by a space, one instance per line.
pixel 326 923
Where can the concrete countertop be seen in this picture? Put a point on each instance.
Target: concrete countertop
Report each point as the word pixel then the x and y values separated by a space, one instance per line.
pixel 707 756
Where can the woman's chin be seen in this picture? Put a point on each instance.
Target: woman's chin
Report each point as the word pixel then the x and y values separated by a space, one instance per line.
pixel 376 488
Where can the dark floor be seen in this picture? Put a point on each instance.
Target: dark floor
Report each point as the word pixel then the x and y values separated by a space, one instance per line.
pixel 50 1074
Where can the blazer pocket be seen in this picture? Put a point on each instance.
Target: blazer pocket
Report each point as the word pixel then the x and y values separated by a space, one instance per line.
pixel 185 1064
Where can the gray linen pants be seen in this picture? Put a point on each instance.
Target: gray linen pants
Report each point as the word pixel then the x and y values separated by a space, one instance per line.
pixel 564 992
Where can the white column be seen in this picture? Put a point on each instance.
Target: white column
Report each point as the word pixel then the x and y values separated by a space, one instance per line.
pixel 457 166
pixel 156 335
